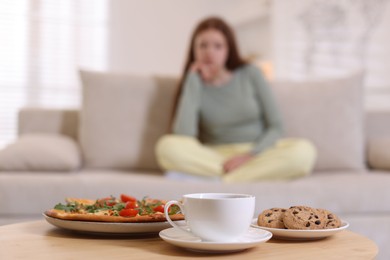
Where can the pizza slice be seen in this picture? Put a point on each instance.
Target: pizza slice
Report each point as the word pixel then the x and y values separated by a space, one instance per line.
pixel 111 209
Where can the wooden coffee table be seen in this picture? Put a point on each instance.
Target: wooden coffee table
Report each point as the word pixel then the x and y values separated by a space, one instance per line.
pixel 40 240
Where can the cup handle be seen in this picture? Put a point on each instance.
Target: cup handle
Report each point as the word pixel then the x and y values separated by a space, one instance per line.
pixel 166 208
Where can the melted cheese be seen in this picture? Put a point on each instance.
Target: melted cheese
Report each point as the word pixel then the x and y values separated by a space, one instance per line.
pixel 81 201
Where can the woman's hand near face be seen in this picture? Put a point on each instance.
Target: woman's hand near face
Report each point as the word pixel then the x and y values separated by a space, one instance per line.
pixel 236 161
pixel 206 71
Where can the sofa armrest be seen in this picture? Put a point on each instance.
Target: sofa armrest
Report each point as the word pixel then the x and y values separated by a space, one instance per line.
pixel 47 120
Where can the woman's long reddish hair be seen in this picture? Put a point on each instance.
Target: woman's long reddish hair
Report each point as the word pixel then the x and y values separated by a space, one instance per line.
pixel 233 61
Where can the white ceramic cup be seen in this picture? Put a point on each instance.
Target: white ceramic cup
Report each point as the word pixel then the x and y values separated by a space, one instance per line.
pixel 220 217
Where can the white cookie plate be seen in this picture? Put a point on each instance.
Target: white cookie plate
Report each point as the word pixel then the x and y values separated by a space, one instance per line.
pixel 293 234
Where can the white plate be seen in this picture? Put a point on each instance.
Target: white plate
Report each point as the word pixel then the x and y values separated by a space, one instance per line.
pixel 293 234
pixel 251 238
pixel 109 227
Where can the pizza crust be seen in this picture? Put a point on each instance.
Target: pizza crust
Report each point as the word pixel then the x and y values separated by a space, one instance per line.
pixel 105 218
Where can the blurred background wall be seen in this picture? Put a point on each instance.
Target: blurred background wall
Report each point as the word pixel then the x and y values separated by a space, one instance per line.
pixel 327 38
pixel 153 36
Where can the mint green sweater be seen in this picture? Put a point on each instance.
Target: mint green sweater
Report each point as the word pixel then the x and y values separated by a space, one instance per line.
pixel 240 111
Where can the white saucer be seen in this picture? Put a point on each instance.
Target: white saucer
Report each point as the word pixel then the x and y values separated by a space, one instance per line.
pixel 251 238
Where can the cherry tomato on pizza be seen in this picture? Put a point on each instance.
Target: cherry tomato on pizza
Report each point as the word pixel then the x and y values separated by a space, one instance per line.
pixel 128 212
pixel 126 198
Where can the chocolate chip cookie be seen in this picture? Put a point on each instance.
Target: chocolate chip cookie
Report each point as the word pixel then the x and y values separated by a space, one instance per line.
pixel 272 218
pixel 302 217
pixel 331 219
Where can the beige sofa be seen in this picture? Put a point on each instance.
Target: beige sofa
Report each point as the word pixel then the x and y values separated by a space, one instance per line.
pixel 106 148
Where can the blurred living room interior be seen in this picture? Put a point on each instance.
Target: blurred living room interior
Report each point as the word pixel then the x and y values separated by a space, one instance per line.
pixel 45 43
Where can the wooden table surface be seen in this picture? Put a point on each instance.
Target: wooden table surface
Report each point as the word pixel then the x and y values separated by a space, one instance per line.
pixel 40 240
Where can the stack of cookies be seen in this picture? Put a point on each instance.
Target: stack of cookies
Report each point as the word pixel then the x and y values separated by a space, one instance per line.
pixel 298 217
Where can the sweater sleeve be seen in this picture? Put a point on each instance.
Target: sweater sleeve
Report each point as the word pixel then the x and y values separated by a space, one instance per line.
pixel 273 127
pixel 186 120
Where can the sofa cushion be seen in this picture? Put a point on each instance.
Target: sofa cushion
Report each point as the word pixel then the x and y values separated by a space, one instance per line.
pixel 378 153
pixel 122 117
pixel 330 114
pixel 41 152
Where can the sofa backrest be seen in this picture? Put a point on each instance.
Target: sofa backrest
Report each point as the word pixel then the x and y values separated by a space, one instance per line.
pixel 66 122
pixel 377 124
